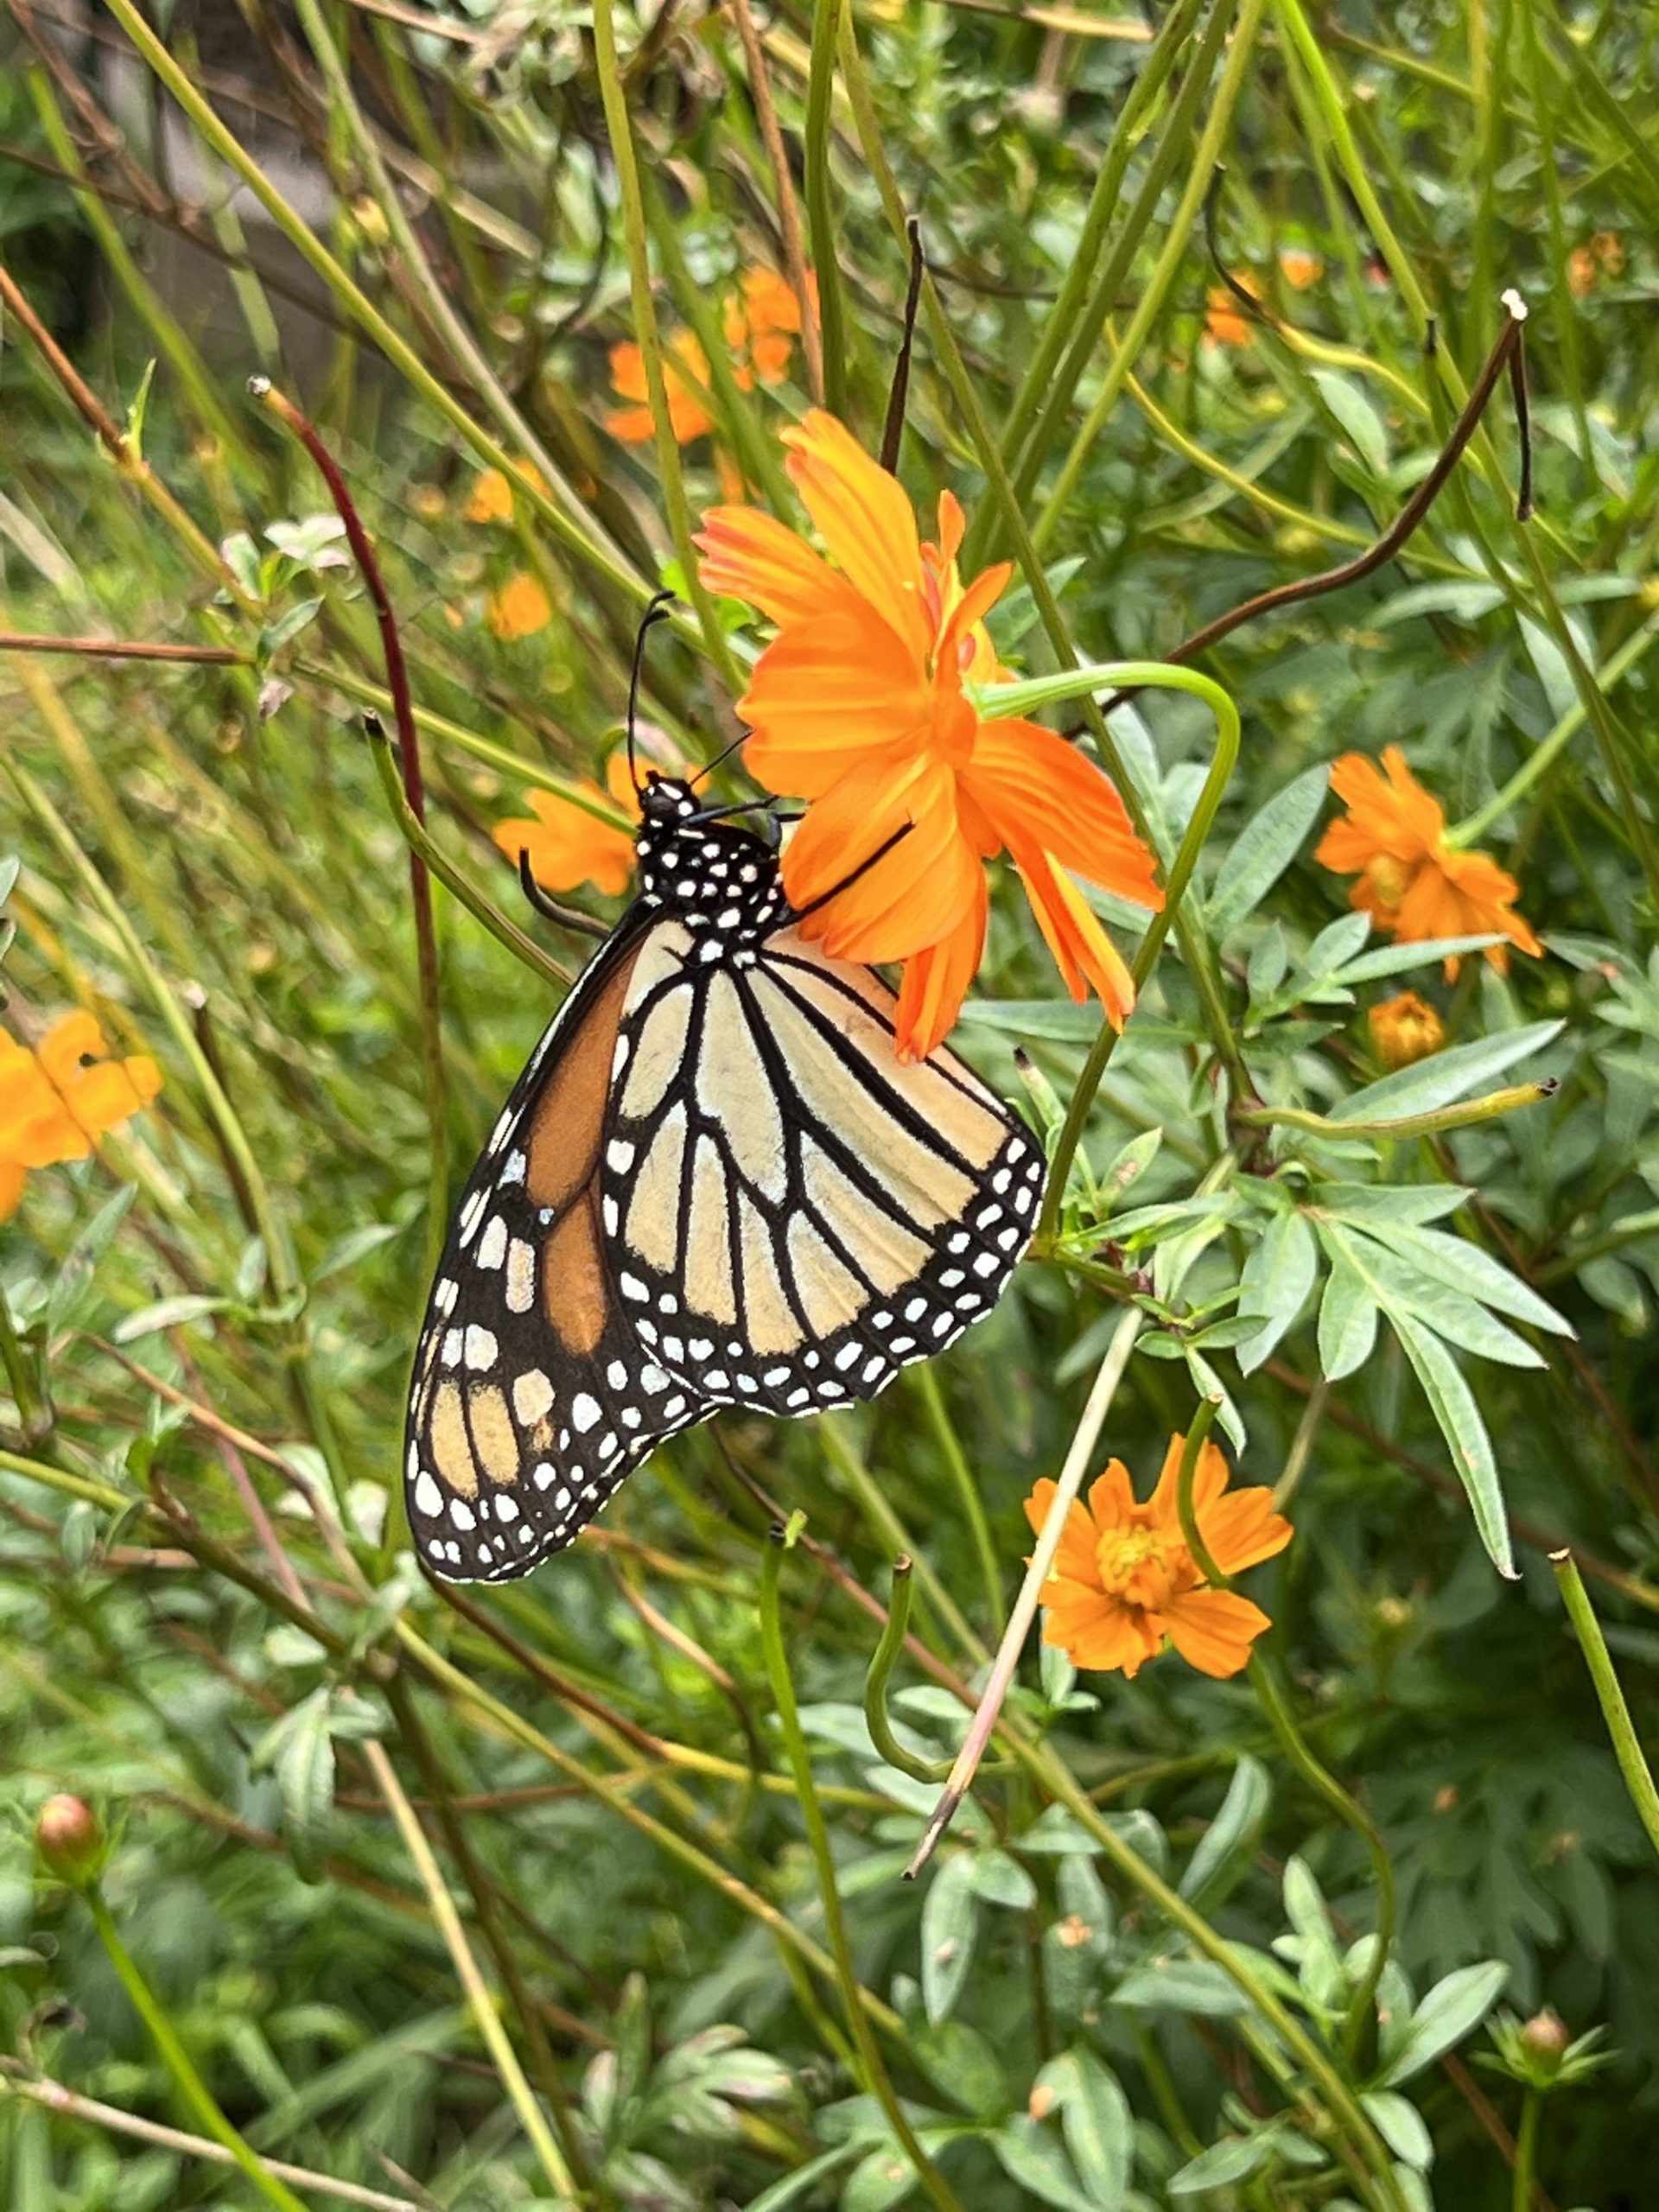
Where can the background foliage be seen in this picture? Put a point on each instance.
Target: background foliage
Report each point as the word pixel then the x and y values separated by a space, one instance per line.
pixel 209 1620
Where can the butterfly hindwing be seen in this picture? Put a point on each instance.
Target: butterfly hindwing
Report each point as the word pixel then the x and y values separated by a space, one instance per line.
pixel 532 1396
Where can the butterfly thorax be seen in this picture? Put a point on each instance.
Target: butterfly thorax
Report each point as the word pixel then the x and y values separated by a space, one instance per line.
pixel 719 881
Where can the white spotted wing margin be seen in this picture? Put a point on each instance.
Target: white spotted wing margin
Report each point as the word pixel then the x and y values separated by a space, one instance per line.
pixel 517 1433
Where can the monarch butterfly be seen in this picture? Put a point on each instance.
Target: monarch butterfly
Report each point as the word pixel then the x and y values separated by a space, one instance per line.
pixel 715 1184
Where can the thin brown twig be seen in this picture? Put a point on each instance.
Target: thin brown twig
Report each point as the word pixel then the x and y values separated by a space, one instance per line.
pixel 16 641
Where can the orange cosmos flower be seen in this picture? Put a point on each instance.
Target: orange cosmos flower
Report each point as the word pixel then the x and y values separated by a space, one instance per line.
pixel 762 320
pixel 858 706
pixel 491 497
pixel 1404 1029
pixel 519 609
pixel 685 377
pixel 1411 882
pixel 567 845
pixel 1226 322
pixel 1123 1578
pixel 57 1103
pixel 1300 267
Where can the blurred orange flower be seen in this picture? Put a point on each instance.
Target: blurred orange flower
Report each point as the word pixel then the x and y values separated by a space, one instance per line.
pixel 685 377
pixel 1300 267
pixel 491 497
pixel 1226 322
pixel 519 609
pixel 1123 1578
pixel 1603 257
pixel 57 1102
pixel 858 705
pixel 1404 1029
pixel 1412 882
pixel 567 845
pixel 762 320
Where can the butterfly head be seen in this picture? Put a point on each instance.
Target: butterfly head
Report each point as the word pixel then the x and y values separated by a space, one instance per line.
pixel 719 881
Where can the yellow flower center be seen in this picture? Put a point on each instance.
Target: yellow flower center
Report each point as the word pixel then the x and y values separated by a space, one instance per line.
pixel 1390 879
pixel 1139 1566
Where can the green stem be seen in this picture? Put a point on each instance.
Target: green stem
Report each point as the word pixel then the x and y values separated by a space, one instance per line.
pixel 1544 754
pixel 877 2081
pixel 961 1474
pixel 820 215
pixel 421 841
pixel 1526 2152
pixel 620 127
pixel 1632 1765
pixel 177 2061
pixel 1471 1111
pixel 875 1685
pixel 1149 675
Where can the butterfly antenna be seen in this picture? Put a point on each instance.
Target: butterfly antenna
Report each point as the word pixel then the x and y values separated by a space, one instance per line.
pixel 710 766
pixel 893 434
pixel 655 612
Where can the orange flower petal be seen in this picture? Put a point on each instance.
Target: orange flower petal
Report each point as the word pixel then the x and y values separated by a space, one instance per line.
pixel 864 519
pixel 1083 953
pixel 751 556
pixel 910 898
pixel 1213 1629
pixel 72 1039
pixel 1034 786
pixel 1242 1529
pixel 937 980
pixel 567 845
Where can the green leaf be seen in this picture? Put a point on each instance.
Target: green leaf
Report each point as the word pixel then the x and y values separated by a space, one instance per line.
pixel 67 1300
pixel 949 1927
pixel 1398 1286
pixel 881 2178
pixel 356 1244
pixel 1347 1318
pixel 1239 2156
pixel 1463 1266
pixel 1361 423
pixel 961 2064
pixel 1401 2126
pixel 1097 2122
pixel 1180 1986
pixel 165 1313
pixel 1453 1403
pixel 1263 849
pixel 1226 1849
pixel 801 2184
pixel 1445 1075
pixel 1453 2008
pixel 1000 1880
pixel 300 1751
pixel 1395 959
pixel 1278 1276
pixel 1032 2158
pixel 277 634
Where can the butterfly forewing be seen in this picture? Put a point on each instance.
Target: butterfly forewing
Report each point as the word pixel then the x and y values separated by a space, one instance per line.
pixel 794 1212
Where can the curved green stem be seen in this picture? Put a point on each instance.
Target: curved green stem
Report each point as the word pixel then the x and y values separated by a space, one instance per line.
pixel 1318 1778
pixel 1463 1116
pixel 177 2061
pixel 966 1489
pixel 1627 1749
pixel 875 1685
pixel 820 218
pixel 876 2079
pixel 1139 675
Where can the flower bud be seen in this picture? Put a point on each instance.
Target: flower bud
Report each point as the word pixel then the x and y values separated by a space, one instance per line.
pixel 1405 1029
pixel 1545 2039
pixel 70 1840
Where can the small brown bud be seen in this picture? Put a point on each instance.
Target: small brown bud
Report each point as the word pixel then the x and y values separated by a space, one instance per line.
pixel 70 1840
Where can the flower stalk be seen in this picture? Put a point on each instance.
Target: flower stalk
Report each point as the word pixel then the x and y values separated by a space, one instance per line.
pixel 1627 1747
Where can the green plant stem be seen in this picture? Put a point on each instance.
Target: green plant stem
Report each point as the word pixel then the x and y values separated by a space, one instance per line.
pixel 1549 749
pixel 877 2081
pixel 1462 1116
pixel 827 19
pixel 1177 246
pixel 1097 1406
pixel 599 554
pixel 1526 2151
pixel 1295 1747
pixel 421 841
pixel 1627 1749
pixel 973 1505
pixel 878 1509
pixel 635 230
pixel 177 2061
pixel 486 2017
pixel 881 1672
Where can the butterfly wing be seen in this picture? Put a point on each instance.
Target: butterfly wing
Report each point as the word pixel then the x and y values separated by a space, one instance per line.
pixel 532 1395
pixel 793 1213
